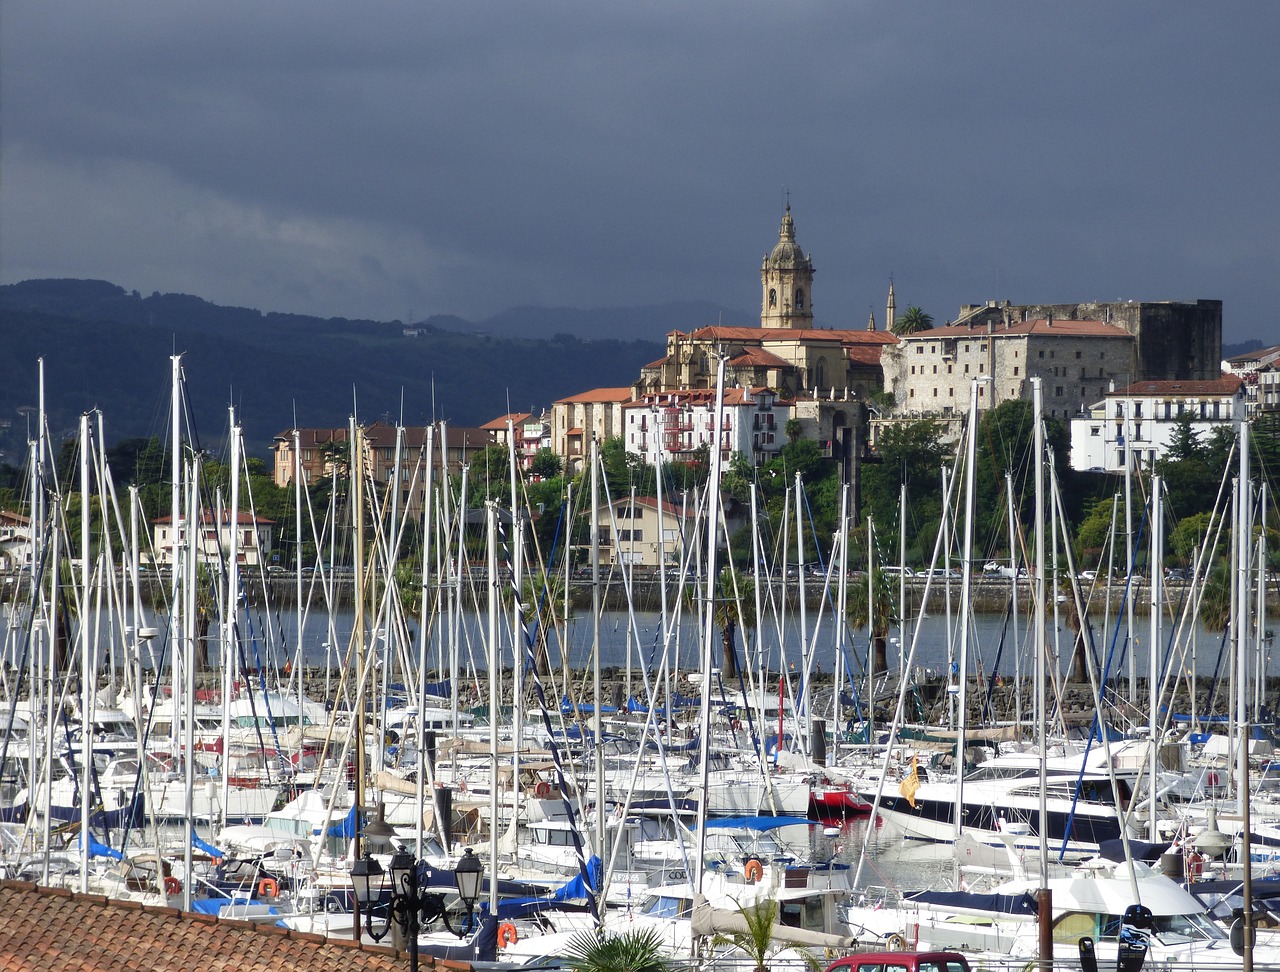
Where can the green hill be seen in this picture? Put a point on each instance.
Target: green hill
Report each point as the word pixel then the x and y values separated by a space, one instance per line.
pixel 107 348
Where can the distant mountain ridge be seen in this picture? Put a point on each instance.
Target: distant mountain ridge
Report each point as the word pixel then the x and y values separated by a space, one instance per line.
pixel 108 348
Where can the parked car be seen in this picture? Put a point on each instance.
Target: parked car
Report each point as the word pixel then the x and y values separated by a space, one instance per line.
pixel 897 572
pixel 939 573
pixel 901 961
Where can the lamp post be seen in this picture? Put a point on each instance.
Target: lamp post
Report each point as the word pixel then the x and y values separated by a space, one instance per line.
pixel 410 904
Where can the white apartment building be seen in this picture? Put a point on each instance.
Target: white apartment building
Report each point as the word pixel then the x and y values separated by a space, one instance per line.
pixel 670 426
pixel 250 538
pixel 1147 413
pixel 1260 372
pixel 930 372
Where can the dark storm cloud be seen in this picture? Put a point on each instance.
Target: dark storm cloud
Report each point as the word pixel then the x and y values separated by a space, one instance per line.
pixel 375 159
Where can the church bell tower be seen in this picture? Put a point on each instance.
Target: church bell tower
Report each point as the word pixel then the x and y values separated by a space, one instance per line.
pixel 787 282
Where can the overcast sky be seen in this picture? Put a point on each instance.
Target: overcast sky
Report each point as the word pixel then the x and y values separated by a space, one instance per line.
pixel 383 159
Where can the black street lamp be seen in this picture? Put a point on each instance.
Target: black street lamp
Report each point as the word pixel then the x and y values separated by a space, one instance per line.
pixel 468 875
pixel 411 905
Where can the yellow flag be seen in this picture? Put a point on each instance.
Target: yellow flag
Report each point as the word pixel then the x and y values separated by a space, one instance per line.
pixel 911 783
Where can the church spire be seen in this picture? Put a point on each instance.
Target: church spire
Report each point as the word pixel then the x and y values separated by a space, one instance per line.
pixel 871 321
pixel 891 308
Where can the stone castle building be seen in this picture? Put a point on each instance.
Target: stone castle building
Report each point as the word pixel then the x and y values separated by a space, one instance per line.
pixel 1080 351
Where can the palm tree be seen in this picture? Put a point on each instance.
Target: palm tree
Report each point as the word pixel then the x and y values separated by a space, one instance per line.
pixel 542 601
pixel 1215 603
pixel 912 320
pixel 755 940
pixel 734 608
pixel 635 950
pixel 882 611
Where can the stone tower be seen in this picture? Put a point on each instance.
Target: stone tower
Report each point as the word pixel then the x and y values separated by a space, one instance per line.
pixel 787 282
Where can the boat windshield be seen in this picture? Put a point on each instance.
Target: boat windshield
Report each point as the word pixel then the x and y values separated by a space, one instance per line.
pixel 1171 929
pixel 1168 929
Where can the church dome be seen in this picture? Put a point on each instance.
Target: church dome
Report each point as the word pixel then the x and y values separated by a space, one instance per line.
pixel 787 255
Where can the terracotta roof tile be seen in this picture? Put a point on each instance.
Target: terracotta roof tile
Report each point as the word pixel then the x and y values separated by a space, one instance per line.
pixel 1226 385
pixel 599 395
pixel 53 929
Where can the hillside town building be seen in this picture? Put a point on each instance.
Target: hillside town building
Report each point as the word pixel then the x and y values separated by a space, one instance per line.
pixel 673 426
pixel 641 533
pixel 930 373
pixel 577 419
pixel 1260 372
pixel 1146 415
pixel 528 432
pixel 1173 340
pixel 386 448
pixel 249 538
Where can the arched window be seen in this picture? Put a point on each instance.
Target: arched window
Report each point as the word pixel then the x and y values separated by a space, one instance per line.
pixel 799 299
pixel 822 373
pixel 773 297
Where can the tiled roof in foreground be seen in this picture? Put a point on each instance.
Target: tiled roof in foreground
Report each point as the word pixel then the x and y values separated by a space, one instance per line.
pixel 54 930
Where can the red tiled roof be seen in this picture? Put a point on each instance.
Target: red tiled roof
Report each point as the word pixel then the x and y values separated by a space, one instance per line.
pixel 657 364
pixel 651 502
pixel 599 395
pixel 51 929
pixel 1226 385
pixel 500 423
pixel 766 334
pixel 207 516
pixel 760 358
pixel 697 396
pixel 865 354
pixel 1058 327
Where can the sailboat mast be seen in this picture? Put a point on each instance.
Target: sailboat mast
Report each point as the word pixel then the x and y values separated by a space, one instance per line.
pixel 1244 549
pixel 1044 896
pixel 966 567
pixel 1153 651
pixel 708 631
pixel 88 679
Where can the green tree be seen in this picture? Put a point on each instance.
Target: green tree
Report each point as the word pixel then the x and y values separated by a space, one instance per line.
pixel 635 950
pixel 884 615
pixel 546 464
pixel 736 482
pixel 910 453
pixel 1006 444
pixel 912 321
pixel 792 430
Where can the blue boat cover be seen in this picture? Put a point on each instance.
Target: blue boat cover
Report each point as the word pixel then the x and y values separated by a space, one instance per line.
pixel 214 906
pixel 1148 853
pixel 347 828
pixel 1009 904
pixel 757 823
pixel 99 849
pixel 209 849
pixel 571 891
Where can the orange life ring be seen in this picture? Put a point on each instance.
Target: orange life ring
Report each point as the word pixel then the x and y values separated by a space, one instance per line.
pixel 172 886
pixel 753 870
pixel 543 790
pixel 507 934
pixel 268 888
